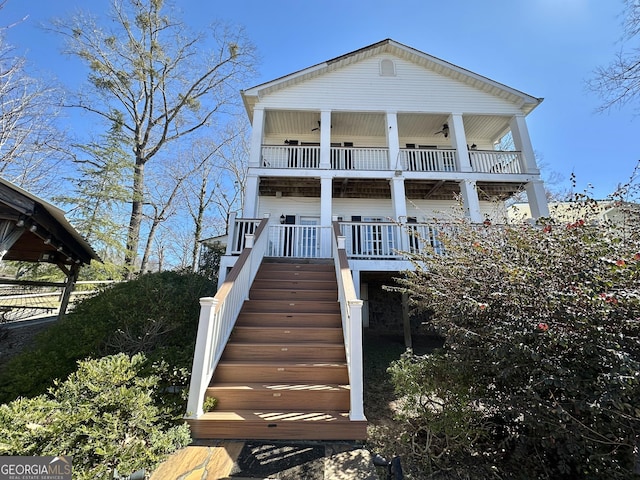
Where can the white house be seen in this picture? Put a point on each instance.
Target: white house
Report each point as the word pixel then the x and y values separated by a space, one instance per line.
pixel 346 157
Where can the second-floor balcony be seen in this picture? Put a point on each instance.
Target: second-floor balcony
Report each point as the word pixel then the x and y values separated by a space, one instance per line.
pixel 375 158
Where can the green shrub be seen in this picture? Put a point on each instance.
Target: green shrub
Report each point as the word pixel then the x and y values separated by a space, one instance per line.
pixel 103 415
pixel 156 314
pixel 542 353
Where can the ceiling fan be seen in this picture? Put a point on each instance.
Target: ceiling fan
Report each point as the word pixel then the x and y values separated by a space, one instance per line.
pixel 444 131
pixel 318 127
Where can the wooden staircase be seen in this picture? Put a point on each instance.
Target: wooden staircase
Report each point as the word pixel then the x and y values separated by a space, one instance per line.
pixel 283 374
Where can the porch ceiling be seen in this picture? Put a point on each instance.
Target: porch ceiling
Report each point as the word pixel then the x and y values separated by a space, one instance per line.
pixel 310 187
pixel 380 188
pixel 449 190
pixel 289 187
pixel 478 128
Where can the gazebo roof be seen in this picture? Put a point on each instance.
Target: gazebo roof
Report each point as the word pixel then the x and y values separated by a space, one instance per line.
pixel 46 235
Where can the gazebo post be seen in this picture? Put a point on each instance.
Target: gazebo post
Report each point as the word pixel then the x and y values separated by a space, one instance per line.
pixel 72 277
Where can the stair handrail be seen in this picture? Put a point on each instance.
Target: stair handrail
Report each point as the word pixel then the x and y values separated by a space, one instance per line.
pixel 218 315
pixel 351 313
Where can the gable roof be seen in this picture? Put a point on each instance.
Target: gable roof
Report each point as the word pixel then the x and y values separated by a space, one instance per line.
pixel 526 102
pixel 42 221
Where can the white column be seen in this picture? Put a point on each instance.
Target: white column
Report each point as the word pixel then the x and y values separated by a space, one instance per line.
pixel 537 198
pixel 325 201
pixel 522 142
pixel 325 140
pixel 398 198
pixel 356 370
pixel 393 141
pixel 459 142
pixel 256 138
pixel 250 204
pixel 471 201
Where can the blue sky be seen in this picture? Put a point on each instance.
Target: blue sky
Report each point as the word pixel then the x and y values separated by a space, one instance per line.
pixel 546 48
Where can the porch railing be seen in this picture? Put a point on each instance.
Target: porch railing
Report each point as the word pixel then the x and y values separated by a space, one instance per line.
pixel 359 158
pixel 218 315
pixel 289 156
pixel 423 237
pixel 374 158
pixel 490 161
pixel 363 240
pixel 342 158
pixel 372 240
pixel 351 309
pixel 299 241
pixel 428 160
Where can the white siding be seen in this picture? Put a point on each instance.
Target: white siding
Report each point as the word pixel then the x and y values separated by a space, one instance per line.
pixel 425 211
pixel 414 89
pixel 299 206
pixel 363 207
pixel 310 207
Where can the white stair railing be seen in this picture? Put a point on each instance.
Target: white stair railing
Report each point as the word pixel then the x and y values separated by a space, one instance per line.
pixel 218 315
pixel 351 312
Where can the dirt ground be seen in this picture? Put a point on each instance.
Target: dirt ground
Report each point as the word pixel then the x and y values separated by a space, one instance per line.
pixel 379 397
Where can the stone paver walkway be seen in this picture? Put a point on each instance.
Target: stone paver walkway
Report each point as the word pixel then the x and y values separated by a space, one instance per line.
pixel 260 460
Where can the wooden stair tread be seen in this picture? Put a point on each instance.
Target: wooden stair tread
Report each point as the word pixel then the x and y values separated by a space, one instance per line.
pixel 284 363
pixel 287 344
pixel 275 415
pixel 280 387
pixel 276 334
pixel 279 425
pixel 274 316
pixel 316 267
pixel 304 328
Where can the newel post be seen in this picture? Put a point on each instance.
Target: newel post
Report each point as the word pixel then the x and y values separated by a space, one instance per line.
pixel 200 371
pixel 355 358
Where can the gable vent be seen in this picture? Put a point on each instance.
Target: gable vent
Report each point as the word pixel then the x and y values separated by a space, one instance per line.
pixel 387 68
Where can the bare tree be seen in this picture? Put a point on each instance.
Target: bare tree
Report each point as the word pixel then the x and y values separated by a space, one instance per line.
pixel 156 81
pixel 220 183
pixel 30 145
pixel 618 83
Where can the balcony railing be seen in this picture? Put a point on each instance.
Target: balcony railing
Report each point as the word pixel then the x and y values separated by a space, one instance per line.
pixel 359 158
pixel 490 161
pixel 428 160
pixel 342 158
pixel 410 159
